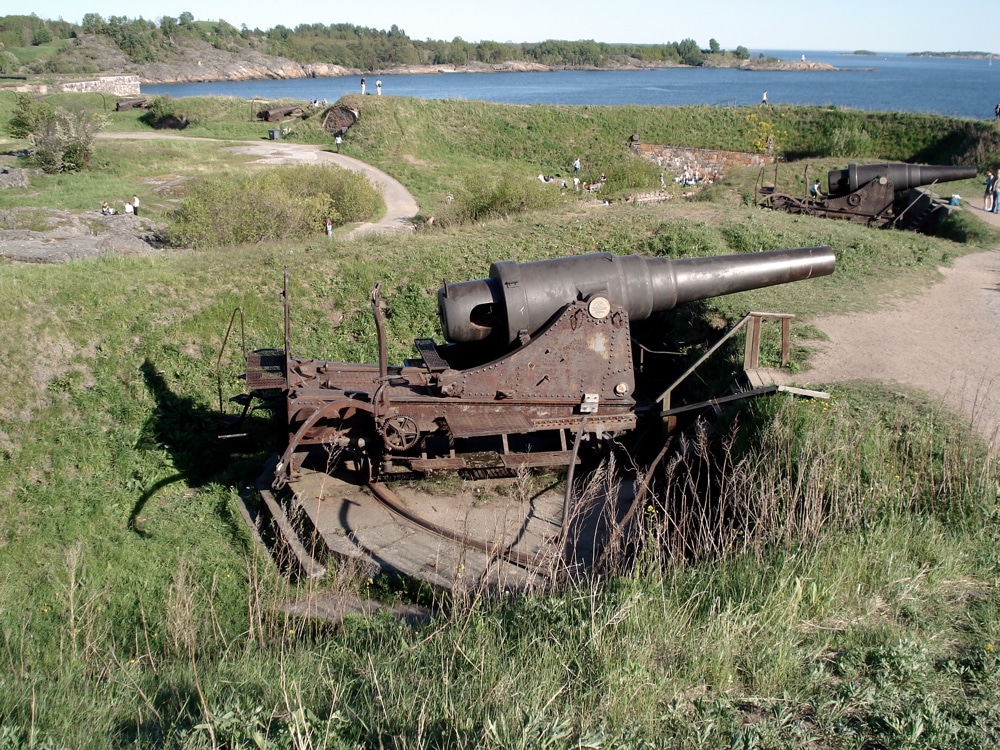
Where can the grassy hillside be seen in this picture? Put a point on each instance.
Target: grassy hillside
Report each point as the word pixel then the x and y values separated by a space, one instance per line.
pixel 855 603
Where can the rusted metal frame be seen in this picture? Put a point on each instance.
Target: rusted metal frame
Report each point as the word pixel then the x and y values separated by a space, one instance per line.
pixel 222 350
pixel 664 397
pixel 911 205
pixel 568 497
pixel 285 467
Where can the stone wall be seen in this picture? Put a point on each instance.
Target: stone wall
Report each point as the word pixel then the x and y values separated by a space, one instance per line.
pixel 114 85
pixel 675 160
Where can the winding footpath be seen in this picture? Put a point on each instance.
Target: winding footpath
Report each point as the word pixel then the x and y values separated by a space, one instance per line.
pixel 401 207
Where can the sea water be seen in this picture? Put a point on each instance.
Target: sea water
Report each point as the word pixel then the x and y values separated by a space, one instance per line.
pixel 960 87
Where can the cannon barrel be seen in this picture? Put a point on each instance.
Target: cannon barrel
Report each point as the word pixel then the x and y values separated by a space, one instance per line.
pixel 522 297
pixel 902 176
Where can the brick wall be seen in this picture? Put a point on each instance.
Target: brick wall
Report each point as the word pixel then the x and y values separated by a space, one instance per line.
pixel 675 160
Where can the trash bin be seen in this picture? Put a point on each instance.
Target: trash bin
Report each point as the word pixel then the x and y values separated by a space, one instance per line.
pixel 274 134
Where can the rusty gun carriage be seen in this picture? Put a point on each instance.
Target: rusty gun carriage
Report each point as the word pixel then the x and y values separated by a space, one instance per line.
pixel 877 195
pixel 535 354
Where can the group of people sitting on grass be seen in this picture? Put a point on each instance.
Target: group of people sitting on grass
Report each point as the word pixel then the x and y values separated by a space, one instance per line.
pixel 590 187
pixel 694 177
pixel 131 207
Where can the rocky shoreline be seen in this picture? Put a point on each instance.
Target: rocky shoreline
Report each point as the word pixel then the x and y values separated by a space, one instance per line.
pixel 202 63
pixel 199 62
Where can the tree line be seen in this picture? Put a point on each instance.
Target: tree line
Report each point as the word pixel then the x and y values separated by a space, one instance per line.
pixel 144 41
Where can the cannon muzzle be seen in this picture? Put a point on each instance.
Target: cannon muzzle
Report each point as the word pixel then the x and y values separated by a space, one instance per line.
pixel 902 176
pixel 520 298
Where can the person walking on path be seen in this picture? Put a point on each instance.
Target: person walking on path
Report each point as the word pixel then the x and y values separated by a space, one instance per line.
pixel 338 140
pixel 988 194
pixel 996 194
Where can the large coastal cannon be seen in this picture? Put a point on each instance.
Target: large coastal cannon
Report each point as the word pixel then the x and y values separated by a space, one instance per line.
pixel 879 195
pixel 538 352
pixel 900 176
pixel 519 298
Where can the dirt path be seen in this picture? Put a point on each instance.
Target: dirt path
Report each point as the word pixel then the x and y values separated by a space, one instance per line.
pixel 945 341
pixel 401 207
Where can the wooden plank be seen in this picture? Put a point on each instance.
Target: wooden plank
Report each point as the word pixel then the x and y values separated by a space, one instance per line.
pixel 539 458
pixel 803 392
pixel 437 464
pixel 310 566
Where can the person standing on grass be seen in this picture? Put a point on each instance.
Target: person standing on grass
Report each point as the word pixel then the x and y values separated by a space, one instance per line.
pixel 338 140
pixel 135 205
pixel 362 86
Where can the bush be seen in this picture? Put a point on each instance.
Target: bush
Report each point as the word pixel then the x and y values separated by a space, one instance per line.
pixel 275 204
pixel 66 142
pixel 852 141
pixel 29 117
pixel 498 197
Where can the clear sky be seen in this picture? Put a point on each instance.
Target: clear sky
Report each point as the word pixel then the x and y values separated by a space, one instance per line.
pixel 836 25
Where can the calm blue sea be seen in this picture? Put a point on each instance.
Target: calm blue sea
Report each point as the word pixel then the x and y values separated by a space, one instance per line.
pixel 960 87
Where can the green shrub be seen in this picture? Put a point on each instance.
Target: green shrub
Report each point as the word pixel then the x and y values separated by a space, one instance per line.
pixel 29 116
pixel 497 197
pixel 275 204
pixel 852 141
pixel 66 142
pixel 633 174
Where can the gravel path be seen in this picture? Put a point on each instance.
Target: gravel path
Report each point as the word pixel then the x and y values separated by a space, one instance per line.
pixel 945 341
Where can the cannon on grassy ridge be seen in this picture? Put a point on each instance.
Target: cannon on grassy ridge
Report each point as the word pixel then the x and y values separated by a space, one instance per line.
pixel 879 195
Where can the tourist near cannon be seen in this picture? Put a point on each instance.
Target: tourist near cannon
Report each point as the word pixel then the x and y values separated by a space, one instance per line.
pixel 877 195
